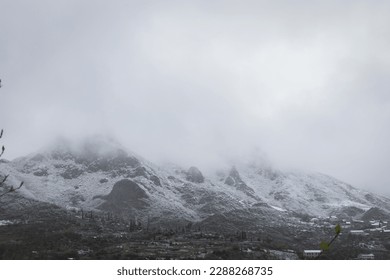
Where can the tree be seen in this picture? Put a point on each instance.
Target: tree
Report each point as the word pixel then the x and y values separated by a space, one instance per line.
pixel 4 189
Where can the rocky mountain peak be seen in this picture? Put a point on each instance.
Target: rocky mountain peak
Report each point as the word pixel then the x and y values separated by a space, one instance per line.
pixel 234 173
pixel 234 179
pixel 71 159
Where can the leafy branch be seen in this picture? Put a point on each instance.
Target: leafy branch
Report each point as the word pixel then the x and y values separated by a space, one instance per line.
pixel 325 245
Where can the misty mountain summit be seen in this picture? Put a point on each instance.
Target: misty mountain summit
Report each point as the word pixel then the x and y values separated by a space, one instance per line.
pixel 88 149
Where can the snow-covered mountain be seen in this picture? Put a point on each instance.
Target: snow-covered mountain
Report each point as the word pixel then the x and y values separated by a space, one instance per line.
pixel 100 174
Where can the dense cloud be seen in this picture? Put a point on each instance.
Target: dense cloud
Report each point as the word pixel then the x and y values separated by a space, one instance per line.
pixel 201 82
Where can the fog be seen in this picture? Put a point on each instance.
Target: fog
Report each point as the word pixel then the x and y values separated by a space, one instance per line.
pixel 202 82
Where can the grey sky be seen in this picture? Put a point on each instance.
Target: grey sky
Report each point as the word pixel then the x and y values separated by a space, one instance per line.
pixel 306 82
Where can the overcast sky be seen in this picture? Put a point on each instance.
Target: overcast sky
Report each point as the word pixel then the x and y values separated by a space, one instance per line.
pixel 200 82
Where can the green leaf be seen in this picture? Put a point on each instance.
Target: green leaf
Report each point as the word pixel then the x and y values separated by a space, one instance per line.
pixel 338 229
pixel 324 246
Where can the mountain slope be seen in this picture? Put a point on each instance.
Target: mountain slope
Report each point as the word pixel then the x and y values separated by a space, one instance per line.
pixel 99 174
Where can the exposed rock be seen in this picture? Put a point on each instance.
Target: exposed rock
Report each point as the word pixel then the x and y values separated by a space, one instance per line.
pixel 230 181
pixel 124 161
pixel 234 174
pixel 125 195
pixel 189 198
pixel 104 180
pixel 102 164
pixel 121 172
pixel 194 175
pixel 71 172
pixel 280 195
pixel 140 171
pixel 41 172
pixel 235 180
pixel 76 199
pixel 155 180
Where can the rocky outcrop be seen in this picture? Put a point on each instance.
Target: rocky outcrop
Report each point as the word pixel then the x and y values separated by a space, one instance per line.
pixel 194 175
pixel 235 180
pixel 41 172
pixel 71 172
pixel 125 195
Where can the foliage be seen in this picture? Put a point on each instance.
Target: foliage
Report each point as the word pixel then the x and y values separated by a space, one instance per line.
pixel 325 245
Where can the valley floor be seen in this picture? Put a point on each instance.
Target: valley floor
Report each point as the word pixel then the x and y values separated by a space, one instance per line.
pixel 43 231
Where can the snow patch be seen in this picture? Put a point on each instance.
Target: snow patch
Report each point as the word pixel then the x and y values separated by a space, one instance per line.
pixel 278 208
pixel 6 222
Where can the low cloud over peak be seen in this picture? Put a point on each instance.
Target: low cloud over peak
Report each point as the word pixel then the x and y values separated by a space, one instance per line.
pixel 198 82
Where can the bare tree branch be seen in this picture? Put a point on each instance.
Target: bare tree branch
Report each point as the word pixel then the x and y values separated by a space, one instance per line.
pixel 12 189
pixel 4 179
pixel 2 151
pixel 2 182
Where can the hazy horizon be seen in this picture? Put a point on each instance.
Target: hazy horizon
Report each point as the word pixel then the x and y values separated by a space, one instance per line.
pixel 200 82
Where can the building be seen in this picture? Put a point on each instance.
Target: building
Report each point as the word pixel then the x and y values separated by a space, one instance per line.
pixel 333 219
pixel 311 254
pixel 375 223
pixel 314 220
pixel 358 232
pixel 366 257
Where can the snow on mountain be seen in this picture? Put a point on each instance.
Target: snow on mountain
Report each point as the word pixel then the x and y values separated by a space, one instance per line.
pixel 314 194
pixel 100 174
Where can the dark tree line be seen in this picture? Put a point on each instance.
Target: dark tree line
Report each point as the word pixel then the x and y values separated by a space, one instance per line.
pixel 4 188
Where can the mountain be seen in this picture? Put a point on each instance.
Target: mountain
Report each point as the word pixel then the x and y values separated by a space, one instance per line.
pixel 100 174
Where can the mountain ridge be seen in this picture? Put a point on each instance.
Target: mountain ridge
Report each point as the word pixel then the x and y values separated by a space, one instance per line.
pixel 86 178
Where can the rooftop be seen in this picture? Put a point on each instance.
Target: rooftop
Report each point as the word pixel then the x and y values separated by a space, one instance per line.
pixel 312 251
